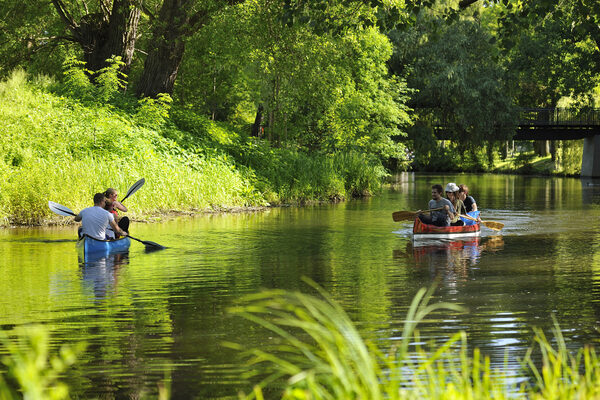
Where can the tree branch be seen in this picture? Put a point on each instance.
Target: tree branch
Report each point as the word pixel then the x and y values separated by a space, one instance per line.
pixel 105 7
pixel 64 14
pixel 466 3
pixel 148 12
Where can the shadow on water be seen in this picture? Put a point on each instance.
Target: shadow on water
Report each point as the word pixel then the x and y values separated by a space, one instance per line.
pixel 40 240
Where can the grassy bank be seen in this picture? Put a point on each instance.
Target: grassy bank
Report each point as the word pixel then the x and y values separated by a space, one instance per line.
pixel 528 163
pixel 61 147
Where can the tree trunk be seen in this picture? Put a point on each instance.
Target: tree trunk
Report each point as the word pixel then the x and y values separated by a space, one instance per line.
pixel 258 121
pixel 176 23
pixel 542 148
pixel 161 67
pixel 103 35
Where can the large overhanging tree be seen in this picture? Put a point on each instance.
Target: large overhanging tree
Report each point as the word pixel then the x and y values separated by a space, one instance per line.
pixel 175 23
pixel 104 31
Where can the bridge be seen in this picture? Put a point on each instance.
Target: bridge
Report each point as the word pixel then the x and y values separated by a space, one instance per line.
pixel 565 124
pixel 557 124
pixel 560 124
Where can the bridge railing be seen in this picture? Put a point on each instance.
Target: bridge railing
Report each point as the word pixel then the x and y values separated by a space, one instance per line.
pixel 559 116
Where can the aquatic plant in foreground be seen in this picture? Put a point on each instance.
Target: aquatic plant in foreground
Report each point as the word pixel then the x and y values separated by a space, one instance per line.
pixel 319 354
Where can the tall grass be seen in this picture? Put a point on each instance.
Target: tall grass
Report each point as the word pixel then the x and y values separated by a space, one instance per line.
pixel 319 354
pixel 55 148
pixel 67 147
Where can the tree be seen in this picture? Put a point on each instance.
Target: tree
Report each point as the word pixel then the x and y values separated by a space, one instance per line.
pixel 177 21
pixel 102 32
pixel 454 69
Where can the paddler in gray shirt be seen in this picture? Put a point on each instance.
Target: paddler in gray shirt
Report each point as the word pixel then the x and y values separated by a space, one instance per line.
pixel 445 213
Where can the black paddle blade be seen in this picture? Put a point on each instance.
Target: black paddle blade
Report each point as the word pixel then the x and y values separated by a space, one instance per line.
pixel 149 245
pixel 134 188
pixel 60 209
pixel 152 245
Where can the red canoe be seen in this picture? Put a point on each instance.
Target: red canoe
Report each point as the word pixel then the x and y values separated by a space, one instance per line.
pixel 424 231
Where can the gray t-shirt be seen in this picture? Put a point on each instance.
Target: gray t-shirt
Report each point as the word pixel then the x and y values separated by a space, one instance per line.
pixel 94 221
pixel 440 215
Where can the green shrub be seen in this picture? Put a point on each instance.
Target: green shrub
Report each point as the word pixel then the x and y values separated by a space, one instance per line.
pixel 66 151
pixel 32 371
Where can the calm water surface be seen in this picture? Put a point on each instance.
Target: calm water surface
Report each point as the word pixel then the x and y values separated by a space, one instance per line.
pixel 147 316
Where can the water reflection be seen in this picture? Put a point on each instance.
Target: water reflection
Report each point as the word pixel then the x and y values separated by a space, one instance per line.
pixel 449 260
pixel 590 190
pixel 100 274
pixel 146 315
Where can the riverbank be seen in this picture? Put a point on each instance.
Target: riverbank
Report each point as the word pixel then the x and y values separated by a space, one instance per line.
pixel 568 163
pixel 63 146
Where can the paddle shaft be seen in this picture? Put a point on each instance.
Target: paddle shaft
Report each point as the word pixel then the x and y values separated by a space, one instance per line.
pixel 489 224
pixel 432 209
pixel 66 212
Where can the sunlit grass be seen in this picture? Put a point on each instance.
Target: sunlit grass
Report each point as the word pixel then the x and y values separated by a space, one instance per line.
pixel 317 353
pixel 63 149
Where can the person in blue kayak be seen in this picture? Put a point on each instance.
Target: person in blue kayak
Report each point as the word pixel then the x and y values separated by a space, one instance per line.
pixel 112 205
pixel 95 220
pixel 445 210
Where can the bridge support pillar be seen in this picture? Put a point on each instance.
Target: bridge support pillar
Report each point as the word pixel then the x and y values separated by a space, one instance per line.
pixel 590 164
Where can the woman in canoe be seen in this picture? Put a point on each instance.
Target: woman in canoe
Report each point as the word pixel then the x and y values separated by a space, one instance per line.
pixel 112 205
pixel 469 201
pixel 459 207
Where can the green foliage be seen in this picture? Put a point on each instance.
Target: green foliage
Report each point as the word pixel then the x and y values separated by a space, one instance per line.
pixel 76 81
pixel 110 80
pixel 319 354
pixel 66 151
pixel 524 160
pixel 570 157
pixel 283 174
pixel 152 113
pixel 32 371
pixel 321 89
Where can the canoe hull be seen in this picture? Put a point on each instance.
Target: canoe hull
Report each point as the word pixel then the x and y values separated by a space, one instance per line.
pixel 89 247
pixel 424 231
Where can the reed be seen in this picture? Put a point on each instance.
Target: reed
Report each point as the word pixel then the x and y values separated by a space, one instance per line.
pixel 319 354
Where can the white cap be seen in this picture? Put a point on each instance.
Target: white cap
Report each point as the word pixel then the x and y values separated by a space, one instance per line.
pixel 451 187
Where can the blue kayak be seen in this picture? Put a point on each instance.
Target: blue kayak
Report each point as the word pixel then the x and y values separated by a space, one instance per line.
pixel 88 246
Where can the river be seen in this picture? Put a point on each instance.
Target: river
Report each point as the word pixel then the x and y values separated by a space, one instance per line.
pixel 147 316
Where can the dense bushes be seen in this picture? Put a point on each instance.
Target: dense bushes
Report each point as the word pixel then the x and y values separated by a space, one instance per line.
pixel 59 143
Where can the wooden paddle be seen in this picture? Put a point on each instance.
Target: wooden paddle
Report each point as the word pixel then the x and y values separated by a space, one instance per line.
pixel 490 224
pixel 410 215
pixel 65 211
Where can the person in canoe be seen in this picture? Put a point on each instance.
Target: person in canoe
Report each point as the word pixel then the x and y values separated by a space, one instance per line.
pixel 468 201
pixel 441 217
pixel 112 205
pixel 459 207
pixel 95 220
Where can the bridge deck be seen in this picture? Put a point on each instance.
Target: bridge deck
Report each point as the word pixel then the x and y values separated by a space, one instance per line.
pixel 546 124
